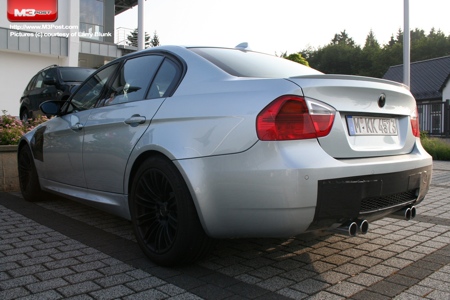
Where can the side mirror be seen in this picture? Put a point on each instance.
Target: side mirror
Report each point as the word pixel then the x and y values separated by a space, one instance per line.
pixel 51 108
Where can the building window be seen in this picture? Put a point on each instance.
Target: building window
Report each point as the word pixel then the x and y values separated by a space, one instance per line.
pixel 91 19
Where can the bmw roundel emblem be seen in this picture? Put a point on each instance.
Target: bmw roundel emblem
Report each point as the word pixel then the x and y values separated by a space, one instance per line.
pixel 382 100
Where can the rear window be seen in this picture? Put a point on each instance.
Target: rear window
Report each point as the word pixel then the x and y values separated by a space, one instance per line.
pixel 75 74
pixel 253 64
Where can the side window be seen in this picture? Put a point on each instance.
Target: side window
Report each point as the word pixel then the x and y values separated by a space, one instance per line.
pixel 132 81
pixel 88 94
pixel 50 74
pixel 39 80
pixel 31 84
pixel 165 81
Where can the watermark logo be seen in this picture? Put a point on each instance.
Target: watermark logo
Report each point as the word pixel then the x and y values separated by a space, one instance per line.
pixel 32 10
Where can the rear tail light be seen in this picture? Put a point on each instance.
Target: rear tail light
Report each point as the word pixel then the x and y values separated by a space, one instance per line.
pixel 415 123
pixel 292 117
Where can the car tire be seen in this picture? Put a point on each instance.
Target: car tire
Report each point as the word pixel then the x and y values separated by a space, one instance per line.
pixel 24 116
pixel 164 217
pixel 28 178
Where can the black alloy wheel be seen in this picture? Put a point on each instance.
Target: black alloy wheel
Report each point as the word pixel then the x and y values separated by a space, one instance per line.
pixel 164 217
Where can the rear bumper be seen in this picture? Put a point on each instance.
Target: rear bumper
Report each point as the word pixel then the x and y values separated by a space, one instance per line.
pixel 368 197
pixel 280 189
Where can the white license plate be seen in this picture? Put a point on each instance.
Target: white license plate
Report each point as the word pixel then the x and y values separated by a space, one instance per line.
pixel 360 125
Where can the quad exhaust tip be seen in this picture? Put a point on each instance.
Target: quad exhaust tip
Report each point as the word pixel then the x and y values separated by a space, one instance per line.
pixel 363 226
pixel 351 228
pixel 407 213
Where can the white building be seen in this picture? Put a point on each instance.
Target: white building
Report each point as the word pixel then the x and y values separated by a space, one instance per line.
pixel 83 35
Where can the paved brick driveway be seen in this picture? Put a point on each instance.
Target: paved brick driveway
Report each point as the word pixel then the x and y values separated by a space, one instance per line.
pixel 61 249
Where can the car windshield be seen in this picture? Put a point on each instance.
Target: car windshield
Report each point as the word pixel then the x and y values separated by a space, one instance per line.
pixel 75 74
pixel 253 64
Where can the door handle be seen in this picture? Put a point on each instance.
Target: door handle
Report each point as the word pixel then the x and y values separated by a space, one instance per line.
pixel 76 127
pixel 135 120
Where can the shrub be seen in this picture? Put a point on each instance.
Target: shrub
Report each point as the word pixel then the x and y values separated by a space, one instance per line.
pixel 12 129
pixel 439 149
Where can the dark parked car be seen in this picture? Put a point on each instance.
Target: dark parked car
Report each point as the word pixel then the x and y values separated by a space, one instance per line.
pixel 52 83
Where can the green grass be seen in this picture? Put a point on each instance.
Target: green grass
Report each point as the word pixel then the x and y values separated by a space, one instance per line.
pixel 438 148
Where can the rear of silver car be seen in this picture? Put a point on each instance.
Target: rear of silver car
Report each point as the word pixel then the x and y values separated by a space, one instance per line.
pixel 368 164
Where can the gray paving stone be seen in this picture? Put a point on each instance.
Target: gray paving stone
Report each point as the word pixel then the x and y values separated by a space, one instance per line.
pixel 150 294
pixel 368 295
pixel 83 276
pixel 45 252
pixel 386 288
pixel 310 286
pixel 438 295
pixel 397 262
pixel 58 273
pixel 265 272
pixel 365 279
pixel 13 258
pixel 275 283
pixel 407 296
pixel 79 288
pixel 95 265
pixel 367 261
pixel 92 257
pixel 145 283
pixel 58 264
pixel 331 277
pixel 402 280
pixel 294 294
pixel 414 272
pixel 323 295
pixel 17 282
pixel 350 269
pixel 14 293
pixel 46 285
pixel 170 289
pixel 382 270
pixel 47 295
pixel 27 270
pixel 345 289
pixel 319 266
pixel 115 269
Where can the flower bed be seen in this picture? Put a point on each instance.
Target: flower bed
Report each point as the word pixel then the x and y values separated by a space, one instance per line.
pixel 11 130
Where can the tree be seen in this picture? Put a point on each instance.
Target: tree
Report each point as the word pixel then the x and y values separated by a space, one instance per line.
pixel 154 42
pixel 340 56
pixel 370 57
pixel 297 57
pixel 133 39
pixel 343 56
pixel 343 39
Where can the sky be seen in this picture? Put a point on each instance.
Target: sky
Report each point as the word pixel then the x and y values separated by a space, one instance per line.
pixel 278 26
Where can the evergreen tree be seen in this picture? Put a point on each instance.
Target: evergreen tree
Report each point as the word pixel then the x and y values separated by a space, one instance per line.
pixel 133 39
pixel 155 40
pixel 343 56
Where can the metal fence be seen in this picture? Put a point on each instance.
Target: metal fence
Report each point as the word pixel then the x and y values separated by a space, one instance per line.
pixel 434 118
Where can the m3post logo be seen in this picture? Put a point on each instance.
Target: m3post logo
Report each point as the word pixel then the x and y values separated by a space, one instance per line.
pixel 32 10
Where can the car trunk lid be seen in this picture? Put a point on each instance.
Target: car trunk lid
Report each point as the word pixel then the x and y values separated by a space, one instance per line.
pixel 372 115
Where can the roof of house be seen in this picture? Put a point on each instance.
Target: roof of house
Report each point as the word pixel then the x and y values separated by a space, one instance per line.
pixel 428 77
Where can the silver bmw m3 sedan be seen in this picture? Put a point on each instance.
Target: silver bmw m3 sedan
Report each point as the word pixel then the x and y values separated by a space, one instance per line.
pixel 197 143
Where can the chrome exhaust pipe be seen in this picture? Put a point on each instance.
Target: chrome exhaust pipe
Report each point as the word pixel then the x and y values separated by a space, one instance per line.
pixel 363 226
pixel 413 212
pixel 407 213
pixel 350 228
